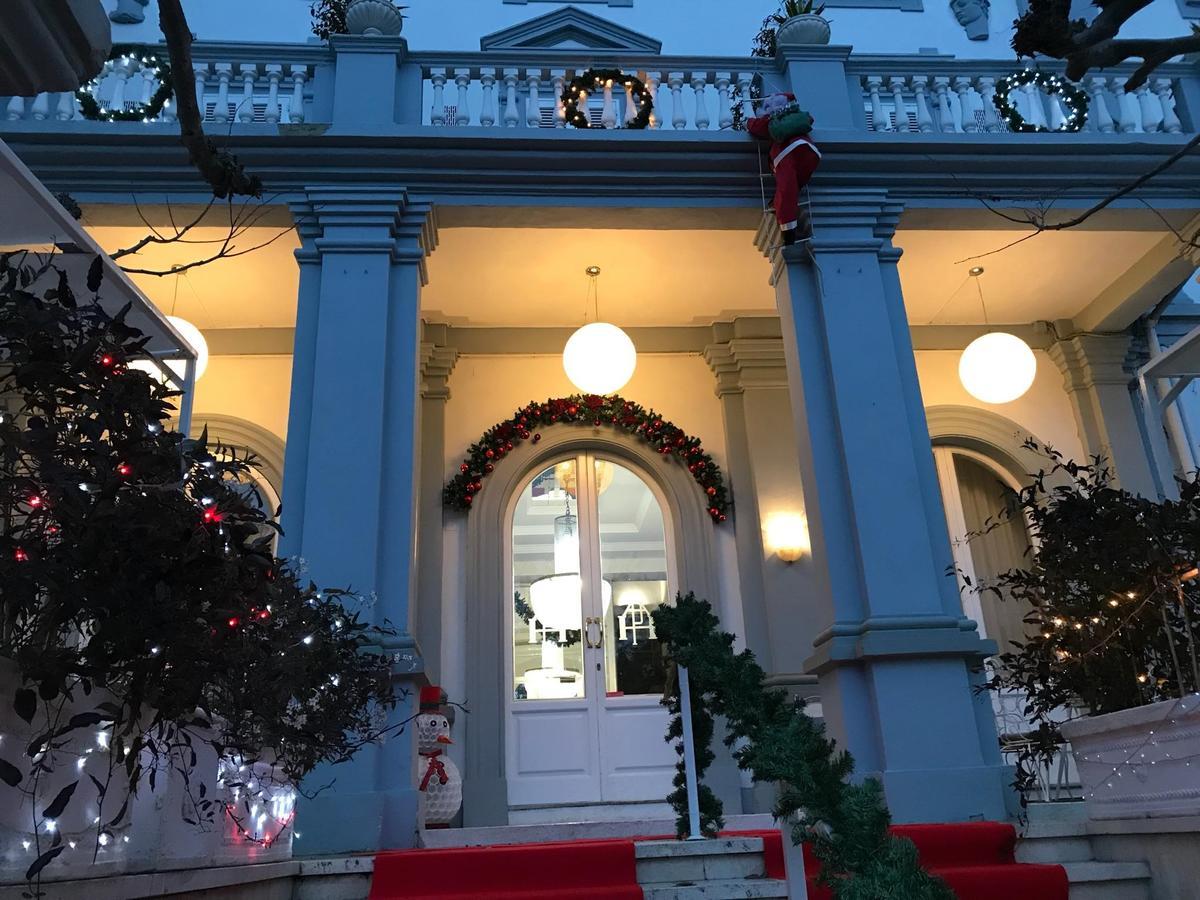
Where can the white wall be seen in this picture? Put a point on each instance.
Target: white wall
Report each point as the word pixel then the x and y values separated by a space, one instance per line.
pixel 255 388
pixel 694 27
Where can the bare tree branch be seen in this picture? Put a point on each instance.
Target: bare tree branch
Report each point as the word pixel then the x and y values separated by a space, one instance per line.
pixel 220 168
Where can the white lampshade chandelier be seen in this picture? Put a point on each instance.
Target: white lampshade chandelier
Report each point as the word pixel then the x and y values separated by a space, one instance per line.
pixel 599 358
pixel 997 367
pixel 557 599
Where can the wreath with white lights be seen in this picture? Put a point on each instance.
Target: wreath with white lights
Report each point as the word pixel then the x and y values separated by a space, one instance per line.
pixel 125 54
pixel 596 79
pixel 1073 98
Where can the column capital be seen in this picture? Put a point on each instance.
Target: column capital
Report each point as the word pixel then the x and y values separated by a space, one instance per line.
pixel 745 354
pixel 437 362
pixel 1086 360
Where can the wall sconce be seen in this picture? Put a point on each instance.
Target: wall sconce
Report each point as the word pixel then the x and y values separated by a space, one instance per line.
pixel 787 536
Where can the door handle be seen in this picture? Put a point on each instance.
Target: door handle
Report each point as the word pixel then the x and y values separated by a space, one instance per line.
pixel 587 632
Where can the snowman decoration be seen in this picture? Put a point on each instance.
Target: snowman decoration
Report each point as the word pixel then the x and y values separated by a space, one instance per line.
pixel 438 776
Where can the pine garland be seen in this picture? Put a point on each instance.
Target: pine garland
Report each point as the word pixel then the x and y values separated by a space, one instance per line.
pixel 595 79
pixel 90 108
pixel 1074 98
pixel 845 824
pixel 586 409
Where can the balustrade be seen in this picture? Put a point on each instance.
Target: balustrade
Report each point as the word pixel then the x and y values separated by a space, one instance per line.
pixel 956 103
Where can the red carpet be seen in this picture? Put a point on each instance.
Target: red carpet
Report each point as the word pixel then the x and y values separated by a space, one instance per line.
pixel 974 858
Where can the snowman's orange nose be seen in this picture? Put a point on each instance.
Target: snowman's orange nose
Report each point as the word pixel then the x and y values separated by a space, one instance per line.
pixel 444 739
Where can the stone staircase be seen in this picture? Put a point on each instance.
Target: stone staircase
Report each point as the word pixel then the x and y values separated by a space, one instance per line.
pixel 724 868
pixel 1057 833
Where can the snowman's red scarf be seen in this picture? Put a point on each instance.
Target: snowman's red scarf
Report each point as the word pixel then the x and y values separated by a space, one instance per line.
pixel 436 767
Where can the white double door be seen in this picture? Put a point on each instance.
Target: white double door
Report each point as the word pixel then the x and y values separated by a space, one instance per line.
pixel 589 562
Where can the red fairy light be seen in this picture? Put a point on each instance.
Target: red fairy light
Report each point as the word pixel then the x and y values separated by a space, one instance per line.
pixel 233 622
pixel 264 614
pixel 212 515
pixel 35 501
pixel 20 555
pixel 124 469
pixel 106 360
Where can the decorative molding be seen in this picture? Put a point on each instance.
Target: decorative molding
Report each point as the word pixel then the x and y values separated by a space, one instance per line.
pixel 1087 360
pixel 129 12
pixel 570 29
pixel 998 438
pixel 605 2
pixel 1189 9
pixel 747 363
pixel 905 5
pixel 437 363
pixel 246 436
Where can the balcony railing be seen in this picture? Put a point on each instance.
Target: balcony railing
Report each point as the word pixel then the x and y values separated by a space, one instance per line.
pixel 284 84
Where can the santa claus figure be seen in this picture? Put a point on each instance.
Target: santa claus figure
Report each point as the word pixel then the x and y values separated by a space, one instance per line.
pixel 437 775
pixel 794 157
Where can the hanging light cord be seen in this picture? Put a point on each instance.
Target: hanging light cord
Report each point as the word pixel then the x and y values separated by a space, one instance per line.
pixel 979 287
pixel 592 300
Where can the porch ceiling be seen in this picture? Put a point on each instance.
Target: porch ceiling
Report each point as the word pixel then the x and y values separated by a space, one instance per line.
pixel 516 276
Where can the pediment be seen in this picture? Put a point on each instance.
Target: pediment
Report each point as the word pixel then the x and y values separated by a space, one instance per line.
pixel 570 28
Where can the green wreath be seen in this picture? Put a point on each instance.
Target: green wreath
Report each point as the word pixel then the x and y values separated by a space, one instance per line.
pixel 1075 99
pixel 581 85
pixel 91 108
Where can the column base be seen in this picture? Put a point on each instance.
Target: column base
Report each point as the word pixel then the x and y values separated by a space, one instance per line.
pixel 364 822
pixel 978 793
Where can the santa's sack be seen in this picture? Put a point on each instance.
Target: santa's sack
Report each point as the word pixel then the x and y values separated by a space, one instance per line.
pixel 789 123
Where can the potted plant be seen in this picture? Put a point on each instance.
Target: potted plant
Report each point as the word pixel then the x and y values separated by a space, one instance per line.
pixel 795 22
pixel 1110 661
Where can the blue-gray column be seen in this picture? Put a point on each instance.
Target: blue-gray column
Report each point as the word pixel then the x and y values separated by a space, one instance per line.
pixel 350 495
pixel 896 656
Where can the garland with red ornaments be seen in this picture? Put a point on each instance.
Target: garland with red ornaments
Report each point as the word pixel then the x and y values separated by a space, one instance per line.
pixel 586 409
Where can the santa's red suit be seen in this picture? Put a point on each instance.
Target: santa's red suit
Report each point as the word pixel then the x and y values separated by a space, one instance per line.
pixel 793 162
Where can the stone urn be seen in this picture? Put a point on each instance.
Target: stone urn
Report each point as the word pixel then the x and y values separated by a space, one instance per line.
pixel 806 29
pixel 374 18
pixel 1140 763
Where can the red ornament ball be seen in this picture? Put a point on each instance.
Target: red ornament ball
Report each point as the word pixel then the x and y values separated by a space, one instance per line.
pixel 537 437
pixel 712 492
pixel 490 454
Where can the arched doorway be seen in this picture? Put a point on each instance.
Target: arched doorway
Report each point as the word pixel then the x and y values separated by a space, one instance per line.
pixel 589 557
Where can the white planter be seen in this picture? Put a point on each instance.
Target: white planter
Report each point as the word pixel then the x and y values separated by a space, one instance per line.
pixel 806 29
pixel 373 18
pixel 1140 763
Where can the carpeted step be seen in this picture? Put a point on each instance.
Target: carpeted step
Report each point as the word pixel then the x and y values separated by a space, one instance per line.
pixel 589 870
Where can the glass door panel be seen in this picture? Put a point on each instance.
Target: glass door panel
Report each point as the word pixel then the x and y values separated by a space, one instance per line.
pixel 547 635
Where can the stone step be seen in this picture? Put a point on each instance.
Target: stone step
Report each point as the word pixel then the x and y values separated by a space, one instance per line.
pixel 1108 880
pixel 721 889
pixel 1055 850
pixel 668 862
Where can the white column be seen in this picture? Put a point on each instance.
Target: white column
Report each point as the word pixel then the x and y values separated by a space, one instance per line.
pixel 920 86
pixel 653 80
pixel 966 107
pixel 745 81
pixel 678 115
pixel 245 112
pixel 224 74
pixel 437 114
pixel 533 105
pixel 941 84
pixel 558 78
pixel 879 116
pixel 724 109
pixel 1166 96
pixel 700 88
pixel 608 115
pixel 511 117
pixel 487 111
pixel 897 85
pixel 462 79
pixel 296 110
pixel 274 75
pixel 1098 113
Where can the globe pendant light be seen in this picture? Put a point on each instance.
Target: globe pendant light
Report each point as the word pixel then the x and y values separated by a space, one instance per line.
pixel 599 358
pixel 998 367
pixel 194 338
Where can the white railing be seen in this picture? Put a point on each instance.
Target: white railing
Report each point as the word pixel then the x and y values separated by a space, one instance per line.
pixel 531 97
pixel 964 104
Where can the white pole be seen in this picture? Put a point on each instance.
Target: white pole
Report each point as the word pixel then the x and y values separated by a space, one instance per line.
pixel 793 862
pixel 689 756
pixel 187 401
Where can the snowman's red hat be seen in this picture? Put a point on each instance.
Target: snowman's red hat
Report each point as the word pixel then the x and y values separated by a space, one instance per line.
pixel 431 698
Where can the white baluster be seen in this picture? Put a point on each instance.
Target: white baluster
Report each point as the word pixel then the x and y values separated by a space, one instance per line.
pixel 879 118
pixel 168 114
pixel 533 106
pixel 608 115
pixel 1166 96
pixel 64 111
pixel 1036 106
pixel 920 86
pixel 200 70
pixel 724 110
pixel 897 85
pixel 120 78
pixel 1131 115
pixel 296 110
pixel 558 78
pixel 487 112
pixel 462 80
pixel 700 87
pixel 40 110
pixel 745 82
pixel 678 115
pixel 1098 114
pixel 511 117
pixel 274 75
pixel 987 94
pixel 224 74
pixel 966 104
pixel 149 84
pixel 245 111
pixel 653 80
pixel 437 113
pixel 941 84
pixel 1150 108
pixel 631 107
pixel 15 111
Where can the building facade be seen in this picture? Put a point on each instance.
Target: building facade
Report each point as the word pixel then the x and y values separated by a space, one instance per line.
pixel 419 262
